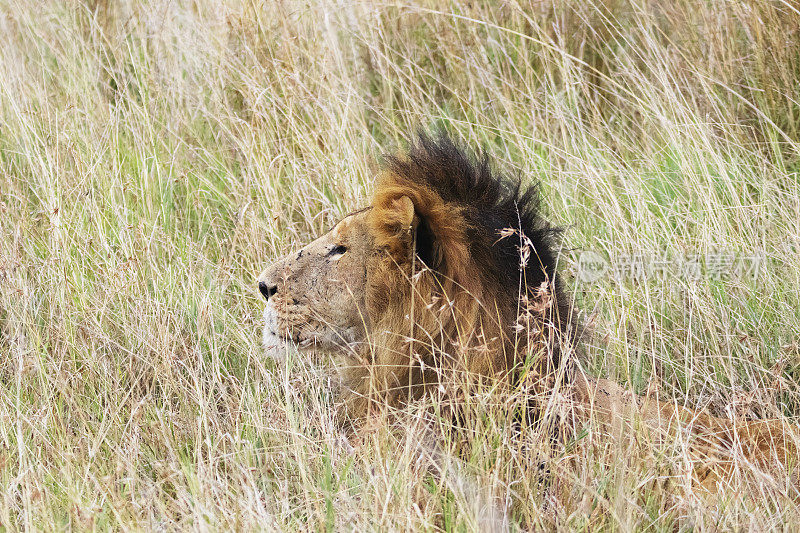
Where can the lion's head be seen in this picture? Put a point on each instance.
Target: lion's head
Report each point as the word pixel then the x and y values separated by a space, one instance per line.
pixel 450 268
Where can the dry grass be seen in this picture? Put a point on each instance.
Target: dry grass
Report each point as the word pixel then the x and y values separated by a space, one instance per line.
pixel 155 155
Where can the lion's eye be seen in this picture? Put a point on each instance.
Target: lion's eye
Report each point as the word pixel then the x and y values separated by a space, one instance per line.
pixel 337 250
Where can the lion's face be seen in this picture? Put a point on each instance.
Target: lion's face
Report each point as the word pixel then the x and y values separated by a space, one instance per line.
pixel 315 296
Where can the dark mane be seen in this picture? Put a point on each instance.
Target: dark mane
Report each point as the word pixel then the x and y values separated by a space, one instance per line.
pixel 492 204
pixel 489 302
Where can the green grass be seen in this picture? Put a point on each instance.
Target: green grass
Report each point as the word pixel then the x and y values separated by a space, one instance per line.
pixel 156 155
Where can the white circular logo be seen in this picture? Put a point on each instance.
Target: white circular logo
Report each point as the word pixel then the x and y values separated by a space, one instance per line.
pixel 591 266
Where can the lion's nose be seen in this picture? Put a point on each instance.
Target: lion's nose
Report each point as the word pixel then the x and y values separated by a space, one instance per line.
pixel 267 291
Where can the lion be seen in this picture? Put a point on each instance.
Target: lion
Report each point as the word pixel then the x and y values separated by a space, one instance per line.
pixel 450 274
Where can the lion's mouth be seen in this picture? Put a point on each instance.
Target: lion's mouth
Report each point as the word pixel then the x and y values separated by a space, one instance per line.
pixel 276 336
pixel 297 341
pixel 288 338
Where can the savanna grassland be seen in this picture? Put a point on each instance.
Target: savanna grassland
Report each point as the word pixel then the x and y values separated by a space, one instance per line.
pixel 156 155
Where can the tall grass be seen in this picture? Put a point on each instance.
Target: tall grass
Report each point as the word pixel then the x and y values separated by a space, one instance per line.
pixel 156 155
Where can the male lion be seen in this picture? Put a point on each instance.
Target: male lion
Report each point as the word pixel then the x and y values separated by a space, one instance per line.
pixel 450 275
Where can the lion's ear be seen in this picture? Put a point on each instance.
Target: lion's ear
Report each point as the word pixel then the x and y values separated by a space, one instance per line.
pixel 409 219
pixel 394 219
pixel 403 209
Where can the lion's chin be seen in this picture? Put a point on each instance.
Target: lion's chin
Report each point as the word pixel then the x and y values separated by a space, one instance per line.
pixel 275 345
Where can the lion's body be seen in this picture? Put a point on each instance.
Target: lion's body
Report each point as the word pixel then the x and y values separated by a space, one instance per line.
pixel 450 275
pixel 714 444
